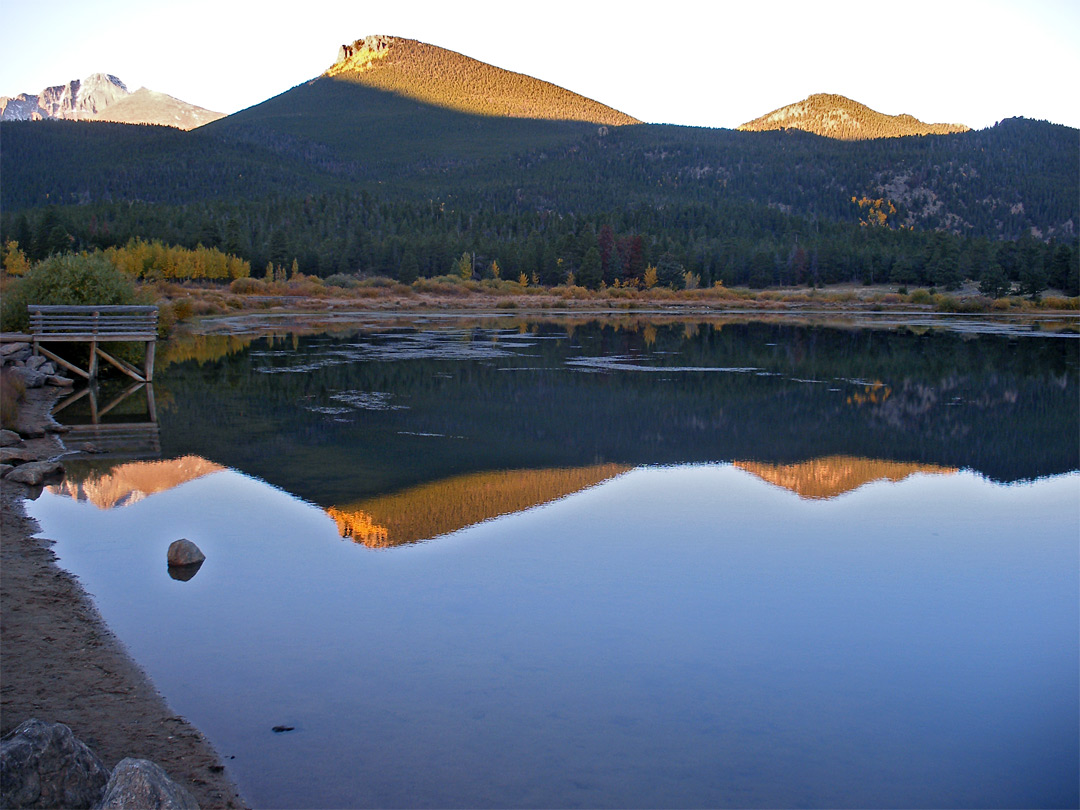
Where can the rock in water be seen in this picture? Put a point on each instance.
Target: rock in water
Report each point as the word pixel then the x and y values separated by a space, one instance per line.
pixel 139 784
pixel 184 552
pixel 44 765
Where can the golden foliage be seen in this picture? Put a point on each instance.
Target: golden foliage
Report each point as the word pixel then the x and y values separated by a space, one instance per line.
pixel 874 394
pixel 155 260
pixel 15 261
pixel 877 211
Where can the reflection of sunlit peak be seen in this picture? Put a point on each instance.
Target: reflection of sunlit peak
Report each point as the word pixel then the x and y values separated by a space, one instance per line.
pixel 358 526
pixel 446 506
pixel 129 483
pixel 828 477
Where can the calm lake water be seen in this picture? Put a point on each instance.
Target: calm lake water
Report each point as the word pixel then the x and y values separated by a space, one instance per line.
pixel 624 563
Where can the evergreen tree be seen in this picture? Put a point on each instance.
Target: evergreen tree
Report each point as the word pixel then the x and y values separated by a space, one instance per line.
pixel 590 273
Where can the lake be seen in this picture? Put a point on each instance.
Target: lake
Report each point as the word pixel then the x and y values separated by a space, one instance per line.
pixel 626 562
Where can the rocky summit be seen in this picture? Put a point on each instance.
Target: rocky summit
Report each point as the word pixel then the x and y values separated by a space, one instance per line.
pixel 104 97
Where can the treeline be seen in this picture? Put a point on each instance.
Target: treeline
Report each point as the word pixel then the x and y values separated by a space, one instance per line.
pixel 1000 183
pixel 735 244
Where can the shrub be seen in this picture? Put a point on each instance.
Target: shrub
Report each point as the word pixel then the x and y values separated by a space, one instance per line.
pixel 184 308
pixel 166 318
pixel 246 286
pixel 69 279
pixel 383 281
pixel 1058 302
pixel 341 280
pixel 921 297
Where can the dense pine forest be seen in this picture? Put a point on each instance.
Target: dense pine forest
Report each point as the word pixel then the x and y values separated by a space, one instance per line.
pixel 689 244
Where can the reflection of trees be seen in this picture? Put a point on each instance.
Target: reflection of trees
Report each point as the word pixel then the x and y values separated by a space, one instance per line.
pixel 445 506
pixel 1006 407
pixel 200 348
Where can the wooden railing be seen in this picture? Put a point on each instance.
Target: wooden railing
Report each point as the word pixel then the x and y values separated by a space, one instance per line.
pixel 94 325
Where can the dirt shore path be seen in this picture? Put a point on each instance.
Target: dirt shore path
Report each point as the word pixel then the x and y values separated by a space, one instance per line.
pixel 59 662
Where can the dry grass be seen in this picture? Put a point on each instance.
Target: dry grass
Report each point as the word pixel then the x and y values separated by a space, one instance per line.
pixel 182 301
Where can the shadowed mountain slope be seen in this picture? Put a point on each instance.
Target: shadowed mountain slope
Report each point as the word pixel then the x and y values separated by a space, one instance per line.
pixel 392 104
pixel 834 116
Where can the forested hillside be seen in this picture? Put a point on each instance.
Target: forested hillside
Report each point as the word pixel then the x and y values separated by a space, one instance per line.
pixel 345 176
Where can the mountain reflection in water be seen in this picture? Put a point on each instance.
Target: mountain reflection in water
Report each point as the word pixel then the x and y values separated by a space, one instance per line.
pixel 125 484
pixel 343 418
pixel 443 507
pixel 446 506
pixel 823 478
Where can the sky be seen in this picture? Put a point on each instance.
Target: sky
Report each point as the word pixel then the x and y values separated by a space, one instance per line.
pixel 699 63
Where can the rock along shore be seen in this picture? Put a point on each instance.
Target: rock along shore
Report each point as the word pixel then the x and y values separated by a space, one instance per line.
pixel 61 663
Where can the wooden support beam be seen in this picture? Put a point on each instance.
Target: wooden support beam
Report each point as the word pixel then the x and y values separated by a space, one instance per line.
pixel 69 401
pixel 120 398
pixel 93 360
pixel 124 366
pixel 148 365
pixel 60 360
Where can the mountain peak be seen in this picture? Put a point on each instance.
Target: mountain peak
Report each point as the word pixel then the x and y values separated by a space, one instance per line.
pixel 361 53
pixel 103 97
pixel 835 116
pixel 444 78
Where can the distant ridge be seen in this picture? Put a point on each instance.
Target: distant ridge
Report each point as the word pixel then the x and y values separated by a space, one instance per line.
pixel 833 116
pixel 103 97
pixel 444 78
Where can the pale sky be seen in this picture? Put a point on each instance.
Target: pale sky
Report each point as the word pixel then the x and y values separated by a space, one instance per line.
pixel 691 62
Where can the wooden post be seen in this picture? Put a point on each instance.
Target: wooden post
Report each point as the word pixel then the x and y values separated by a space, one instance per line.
pixel 93 403
pixel 150 405
pixel 93 360
pixel 148 366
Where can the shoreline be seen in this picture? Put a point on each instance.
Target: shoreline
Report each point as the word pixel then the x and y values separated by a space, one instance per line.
pixel 61 663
